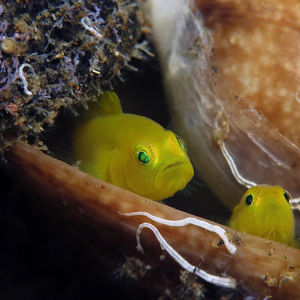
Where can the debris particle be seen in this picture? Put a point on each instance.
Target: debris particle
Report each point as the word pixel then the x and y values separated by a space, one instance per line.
pixel 270 280
pixel 132 268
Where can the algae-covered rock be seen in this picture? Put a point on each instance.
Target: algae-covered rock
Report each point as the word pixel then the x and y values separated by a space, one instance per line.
pixel 58 53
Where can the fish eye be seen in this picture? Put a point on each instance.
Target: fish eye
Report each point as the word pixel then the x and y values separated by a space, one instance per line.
pixel 143 153
pixel 143 157
pixel 249 199
pixel 181 143
pixel 287 196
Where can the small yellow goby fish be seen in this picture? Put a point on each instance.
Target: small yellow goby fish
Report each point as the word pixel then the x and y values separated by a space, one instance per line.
pixel 131 151
pixel 264 211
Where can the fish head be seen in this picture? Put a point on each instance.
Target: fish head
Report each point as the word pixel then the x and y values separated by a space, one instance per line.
pixel 265 211
pixel 157 164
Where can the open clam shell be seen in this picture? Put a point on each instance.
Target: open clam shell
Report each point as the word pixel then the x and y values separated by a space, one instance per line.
pixel 230 71
pixel 96 210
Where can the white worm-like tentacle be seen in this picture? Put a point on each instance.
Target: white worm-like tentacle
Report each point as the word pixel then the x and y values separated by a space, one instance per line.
pixel 183 222
pixel 235 172
pixel 24 81
pixel 226 282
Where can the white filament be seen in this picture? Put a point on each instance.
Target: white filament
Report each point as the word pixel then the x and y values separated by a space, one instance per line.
pixel 183 222
pixel 234 170
pixel 24 81
pixel 226 282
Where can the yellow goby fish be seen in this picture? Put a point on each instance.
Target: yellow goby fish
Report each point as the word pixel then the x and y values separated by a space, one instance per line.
pixel 131 151
pixel 264 211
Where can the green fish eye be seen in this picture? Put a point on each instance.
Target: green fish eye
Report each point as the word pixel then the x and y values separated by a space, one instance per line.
pixel 287 196
pixel 249 199
pixel 143 157
pixel 181 143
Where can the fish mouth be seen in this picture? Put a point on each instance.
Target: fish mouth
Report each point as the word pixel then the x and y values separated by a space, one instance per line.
pixel 165 169
pixel 172 165
pixel 172 176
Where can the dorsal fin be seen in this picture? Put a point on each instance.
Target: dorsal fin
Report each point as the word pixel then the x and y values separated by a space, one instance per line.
pixel 109 104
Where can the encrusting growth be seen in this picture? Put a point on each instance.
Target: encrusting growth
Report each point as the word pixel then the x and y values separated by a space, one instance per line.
pixel 55 54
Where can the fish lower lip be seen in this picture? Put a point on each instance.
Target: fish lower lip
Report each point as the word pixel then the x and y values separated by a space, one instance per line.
pixel 172 165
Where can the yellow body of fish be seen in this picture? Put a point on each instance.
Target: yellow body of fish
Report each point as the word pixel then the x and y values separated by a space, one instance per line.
pixel 131 151
pixel 264 211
